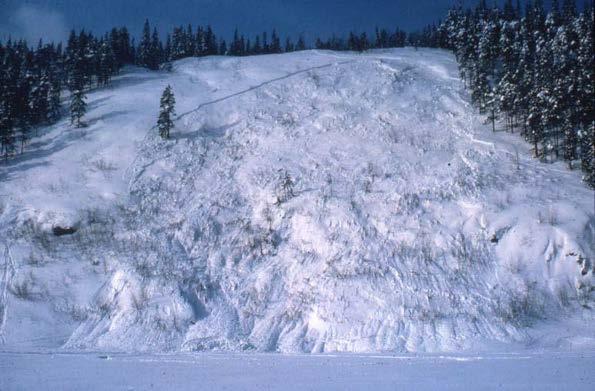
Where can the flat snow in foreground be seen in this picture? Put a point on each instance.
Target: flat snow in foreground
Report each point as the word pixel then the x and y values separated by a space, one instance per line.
pixel 261 372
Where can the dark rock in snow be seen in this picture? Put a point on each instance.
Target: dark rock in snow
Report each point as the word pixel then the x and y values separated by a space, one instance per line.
pixel 61 231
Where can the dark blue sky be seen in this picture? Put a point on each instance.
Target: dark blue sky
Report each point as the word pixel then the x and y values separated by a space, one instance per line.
pixel 54 18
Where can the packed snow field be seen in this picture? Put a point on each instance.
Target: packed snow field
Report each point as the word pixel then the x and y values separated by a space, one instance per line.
pixel 307 202
pixel 266 372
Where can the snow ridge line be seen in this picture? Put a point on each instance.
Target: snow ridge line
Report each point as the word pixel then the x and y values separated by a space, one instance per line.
pixel 289 75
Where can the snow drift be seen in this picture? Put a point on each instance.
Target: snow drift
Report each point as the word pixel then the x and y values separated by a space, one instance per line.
pixel 307 202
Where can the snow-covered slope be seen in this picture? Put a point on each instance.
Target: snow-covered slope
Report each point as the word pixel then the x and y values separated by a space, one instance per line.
pixel 307 202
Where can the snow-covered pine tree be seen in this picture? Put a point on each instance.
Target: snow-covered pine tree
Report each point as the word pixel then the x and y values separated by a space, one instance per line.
pixel 167 49
pixel 569 11
pixel 508 13
pixel 210 42
pixel 8 86
pixel 178 45
pixel 107 63
pixel 54 103
pixel 144 52
pixel 78 108
pixel 587 153
pixel 585 30
pixel 550 85
pixel 482 68
pixel 506 90
pixel 166 113
pixel 200 42
pixel 38 102
pixel 156 49
pixel 191 41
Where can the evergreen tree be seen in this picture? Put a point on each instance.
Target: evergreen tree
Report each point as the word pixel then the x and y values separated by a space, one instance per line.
pixel 507 86
pixel 223 48
pixel 301 44
pixel 167 112
pixel 236 48
pixel 145 49
pixel 156 50
pixel 39 102
pixel 257 49
pixel 192 42
pixel 54 103
pixel 78 108
pixel 275 43
pixel 107 63
pixel 167 53
pixel 509 12
pixel 568 11
pixel 8 90
pixel 210 42
pixel 289 45
pixel 265 43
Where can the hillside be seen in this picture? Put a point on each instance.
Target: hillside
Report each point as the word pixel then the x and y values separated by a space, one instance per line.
pixel 307 202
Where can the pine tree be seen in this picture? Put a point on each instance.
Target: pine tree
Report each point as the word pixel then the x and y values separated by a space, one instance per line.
pixel 586 138
pixel 257 49
pixel 167 112
pixel 107 63
pixel 235 48
pixel 7 120
pixel 167 49
pixel 265 43
pixel 301 44
pixel 508 12
pixel 507 85
pixel 54 103
pixel 568 11
pixel 242 47
pixel 210 42
pixel 289 47
pixel 78 108
pixel 39 102
pixel 275 43
pixel 145 53
pixel 191 42
pixel 223 48
pixel 156 55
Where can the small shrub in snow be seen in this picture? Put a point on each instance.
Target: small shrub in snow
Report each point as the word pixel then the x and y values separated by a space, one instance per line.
pixel 103 165
pixel 140 300
pixel 21 290
pixel 26 289
pixel 34 260
pixel 285 190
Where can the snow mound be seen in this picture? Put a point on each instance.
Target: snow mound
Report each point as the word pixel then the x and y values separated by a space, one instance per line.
pixel 308 202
